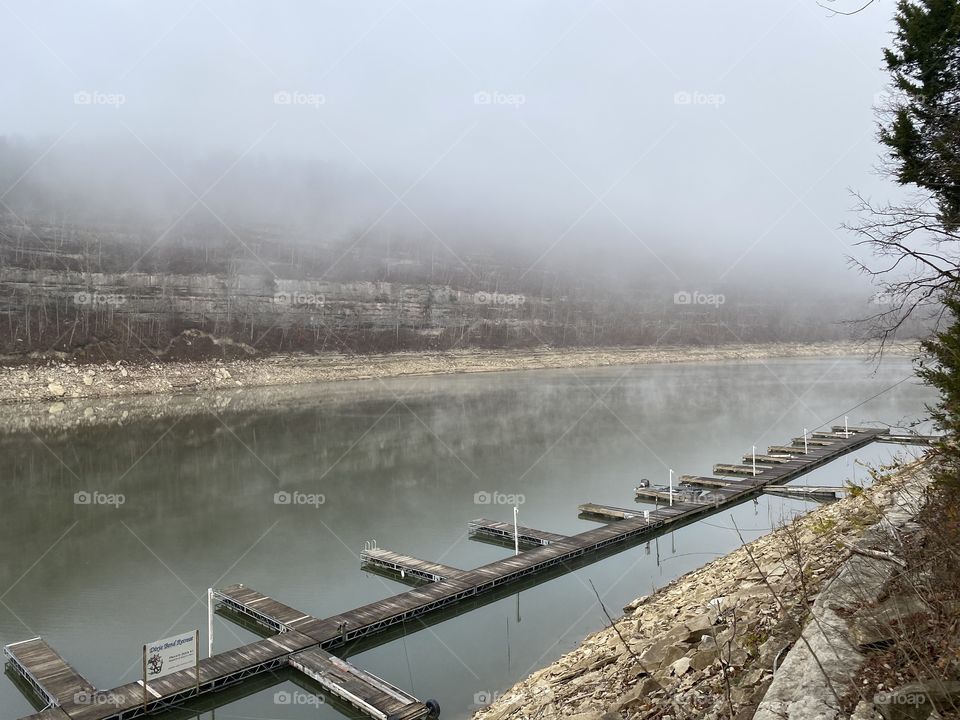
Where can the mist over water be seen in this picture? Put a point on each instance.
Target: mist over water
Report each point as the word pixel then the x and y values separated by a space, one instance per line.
pixel 200 507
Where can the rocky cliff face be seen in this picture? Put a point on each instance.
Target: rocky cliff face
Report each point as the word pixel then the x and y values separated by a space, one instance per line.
pixel 113 293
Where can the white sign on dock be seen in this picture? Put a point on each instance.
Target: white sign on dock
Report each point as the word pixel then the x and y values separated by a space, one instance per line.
pixel 170 655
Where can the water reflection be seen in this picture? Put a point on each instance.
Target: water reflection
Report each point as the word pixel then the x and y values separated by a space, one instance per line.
pixel 399 462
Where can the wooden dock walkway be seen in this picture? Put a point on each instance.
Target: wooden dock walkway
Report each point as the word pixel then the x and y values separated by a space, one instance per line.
pixel 501 533
pixel 608 512
pixel 368 693
pixel 304 640
pixel 680 494
pixel 740 470
pixel 127 701
pixel 813 492
pixel 405 566
pixel 701 481
pixel 748 459
pixel 50 676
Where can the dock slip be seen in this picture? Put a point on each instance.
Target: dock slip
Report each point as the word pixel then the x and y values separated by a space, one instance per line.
pixel 302 642
pixel 47 674
pixel 812 492
pixel 368 693
pixel 502 533
pixel 404 565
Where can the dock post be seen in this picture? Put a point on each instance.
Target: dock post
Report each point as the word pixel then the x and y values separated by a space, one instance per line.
pixel 144 678
pixel 516 532
pixel 754 460
pixel 209 623
pixel 805 451
pixel 196 651
pixel 846 428
pixel 671 488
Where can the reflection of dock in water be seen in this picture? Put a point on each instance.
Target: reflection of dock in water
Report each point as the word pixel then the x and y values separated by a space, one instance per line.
pixel 301 643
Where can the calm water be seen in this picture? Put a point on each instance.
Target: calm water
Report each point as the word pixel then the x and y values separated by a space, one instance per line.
pixel 399 462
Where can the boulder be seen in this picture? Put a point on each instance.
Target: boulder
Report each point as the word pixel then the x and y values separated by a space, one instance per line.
pixel 637 695
pixel 697 628
pixel 875 628
pixel 680 667
pixel 916 701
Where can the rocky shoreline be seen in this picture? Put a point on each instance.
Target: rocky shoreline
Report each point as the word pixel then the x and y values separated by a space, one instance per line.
pixel 60 395
pixel 707 645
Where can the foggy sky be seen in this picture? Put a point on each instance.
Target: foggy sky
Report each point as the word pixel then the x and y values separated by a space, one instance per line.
pixel 717 136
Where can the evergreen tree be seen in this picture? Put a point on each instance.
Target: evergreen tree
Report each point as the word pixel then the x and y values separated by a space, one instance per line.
pixel 923 134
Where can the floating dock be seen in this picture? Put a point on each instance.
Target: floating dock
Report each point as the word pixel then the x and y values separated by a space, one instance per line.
pixel 740 470
pixel 49 675
pixel 608 512
pixel 502 533
pixel 369 694
pixel 406 567
pixel 304 642
pixel 748 459
pixel 810 492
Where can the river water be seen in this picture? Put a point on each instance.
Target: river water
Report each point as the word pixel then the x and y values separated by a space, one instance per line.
pixel 405 462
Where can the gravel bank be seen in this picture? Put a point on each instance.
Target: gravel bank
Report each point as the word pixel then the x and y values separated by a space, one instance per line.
pixel 62 395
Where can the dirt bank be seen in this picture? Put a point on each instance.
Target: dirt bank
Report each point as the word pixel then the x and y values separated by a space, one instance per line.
pixel 62 395
pixel 61 381
pixel 705 645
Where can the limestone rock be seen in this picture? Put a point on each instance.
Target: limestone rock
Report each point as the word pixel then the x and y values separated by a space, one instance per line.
pixel 876 627
pixel 639 693
pixel 697 628
pixel 681 667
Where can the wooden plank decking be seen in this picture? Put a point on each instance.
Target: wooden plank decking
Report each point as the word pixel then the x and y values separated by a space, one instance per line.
pixel 608 512
pixel 502 533
pixel 50 675
pixel 406 566
pixel 369 694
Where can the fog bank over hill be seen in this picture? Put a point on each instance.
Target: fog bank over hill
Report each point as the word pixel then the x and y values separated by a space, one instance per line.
pixel 597 179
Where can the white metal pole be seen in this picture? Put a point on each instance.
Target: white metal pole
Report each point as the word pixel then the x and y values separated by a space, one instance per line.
pixel 671 488
pixel 754 459
pixel 516 532
pixel 805 451
pixel 209 622
pixel 846 428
